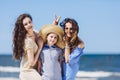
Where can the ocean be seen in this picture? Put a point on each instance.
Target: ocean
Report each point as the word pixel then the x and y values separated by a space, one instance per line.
pixel 92 67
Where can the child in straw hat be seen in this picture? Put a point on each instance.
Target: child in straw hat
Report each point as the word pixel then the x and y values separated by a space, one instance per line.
pixel 51 54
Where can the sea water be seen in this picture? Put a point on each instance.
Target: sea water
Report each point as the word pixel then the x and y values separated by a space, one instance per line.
pixel 92 66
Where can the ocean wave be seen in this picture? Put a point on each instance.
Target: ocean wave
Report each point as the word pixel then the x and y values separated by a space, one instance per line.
pixel 89 74
pixel 96 74
pixel 9 69
pixel 8 78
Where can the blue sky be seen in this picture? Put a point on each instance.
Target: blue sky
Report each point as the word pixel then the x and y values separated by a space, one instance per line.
pixel 99 21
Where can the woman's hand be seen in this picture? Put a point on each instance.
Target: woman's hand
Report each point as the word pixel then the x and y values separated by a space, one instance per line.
pixel 56 20
pixel 67 41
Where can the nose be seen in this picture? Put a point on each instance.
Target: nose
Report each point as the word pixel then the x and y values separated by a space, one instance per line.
pixel 68 30
pixel 53 38
pixel 29 24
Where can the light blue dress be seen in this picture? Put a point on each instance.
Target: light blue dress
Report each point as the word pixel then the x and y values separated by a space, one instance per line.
pixel 70 69
pixel 51 69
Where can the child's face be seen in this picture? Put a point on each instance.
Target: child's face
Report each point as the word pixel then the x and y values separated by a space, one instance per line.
pixel 52 39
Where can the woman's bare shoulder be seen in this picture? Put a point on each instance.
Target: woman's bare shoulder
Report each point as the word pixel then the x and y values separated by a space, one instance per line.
pixel 81 45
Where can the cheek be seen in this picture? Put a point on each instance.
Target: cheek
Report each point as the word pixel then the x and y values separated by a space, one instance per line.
pixel 26 28
pixel 65 31
pixel 47 38
pixel 55 40
pixel 72 31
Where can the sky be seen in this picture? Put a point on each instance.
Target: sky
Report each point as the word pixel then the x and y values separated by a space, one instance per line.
pixel 99 21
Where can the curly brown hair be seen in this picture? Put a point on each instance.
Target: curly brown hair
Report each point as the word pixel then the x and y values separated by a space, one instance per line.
pixel 19 35
pixel 74 40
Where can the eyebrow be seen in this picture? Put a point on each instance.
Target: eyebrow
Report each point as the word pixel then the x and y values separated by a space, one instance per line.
pixel 68 28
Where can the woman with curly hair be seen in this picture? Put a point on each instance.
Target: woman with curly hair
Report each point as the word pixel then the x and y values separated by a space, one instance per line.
pixel 26 46
pixel 73 47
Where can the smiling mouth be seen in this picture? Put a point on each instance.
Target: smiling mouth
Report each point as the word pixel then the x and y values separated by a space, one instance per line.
pixel 69 33
pixel 30 27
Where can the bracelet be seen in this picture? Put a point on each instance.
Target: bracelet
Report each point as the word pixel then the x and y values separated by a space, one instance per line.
pixel 67 47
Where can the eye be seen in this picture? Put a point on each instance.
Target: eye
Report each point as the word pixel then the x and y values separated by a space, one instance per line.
pixel 66 28
pixel 51 36
pixel 30 21
pixel 55 37
pixel 71 28
pixel 25 24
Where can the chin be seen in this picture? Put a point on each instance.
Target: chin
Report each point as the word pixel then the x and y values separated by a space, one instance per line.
pixel 30 29
pixel 69 36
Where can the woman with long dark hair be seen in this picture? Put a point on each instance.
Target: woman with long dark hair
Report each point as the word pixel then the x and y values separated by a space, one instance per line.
pixel 26 46
pixel 73 47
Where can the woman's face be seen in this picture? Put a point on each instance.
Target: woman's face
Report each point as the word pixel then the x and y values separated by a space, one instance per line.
pixel 68 29
pixel 52 39
pixel 27 23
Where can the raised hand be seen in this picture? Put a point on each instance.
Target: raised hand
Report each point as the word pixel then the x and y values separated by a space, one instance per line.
pixel 56 20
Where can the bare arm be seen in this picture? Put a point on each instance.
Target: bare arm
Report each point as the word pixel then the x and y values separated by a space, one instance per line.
pixel 67 52
pixel 31 57
pixel 40 45
pixel 60 62
pixel 39 67
pixel 67 49
pixel 81 45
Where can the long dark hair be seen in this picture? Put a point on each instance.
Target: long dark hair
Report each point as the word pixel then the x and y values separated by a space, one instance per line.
pixel 19 35
pixel 74 40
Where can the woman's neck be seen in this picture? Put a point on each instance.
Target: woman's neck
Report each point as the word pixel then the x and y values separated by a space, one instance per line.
pixel 31 34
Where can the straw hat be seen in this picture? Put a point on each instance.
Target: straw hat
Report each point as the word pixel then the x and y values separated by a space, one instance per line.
pixel 50 28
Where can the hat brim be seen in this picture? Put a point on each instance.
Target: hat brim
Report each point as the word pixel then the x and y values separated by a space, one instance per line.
pixel 50 28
